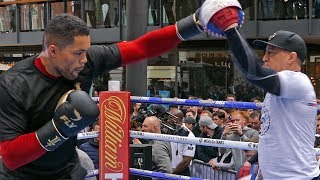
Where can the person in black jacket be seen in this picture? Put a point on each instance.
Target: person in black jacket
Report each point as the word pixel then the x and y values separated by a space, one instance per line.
pixel 209 130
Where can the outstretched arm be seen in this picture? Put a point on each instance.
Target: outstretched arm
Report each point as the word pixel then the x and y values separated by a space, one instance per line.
pixel 149 45
pixel 248 62
pixel 159 41
pixel 227 17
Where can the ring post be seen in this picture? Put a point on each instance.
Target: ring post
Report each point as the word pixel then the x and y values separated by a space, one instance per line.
pixel 114 137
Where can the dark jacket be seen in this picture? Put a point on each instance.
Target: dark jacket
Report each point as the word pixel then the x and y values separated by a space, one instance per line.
pixel 206 153
pixel 92 149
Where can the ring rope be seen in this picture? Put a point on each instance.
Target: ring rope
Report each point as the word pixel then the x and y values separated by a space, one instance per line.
pixel 194 102
pixel 147 173
pixel 195 140
pixel 92 173
pixel 186 140
pixel 88 135
pixel 153 174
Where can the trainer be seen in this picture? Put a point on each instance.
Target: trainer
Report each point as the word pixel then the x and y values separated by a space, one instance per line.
pixel 288 119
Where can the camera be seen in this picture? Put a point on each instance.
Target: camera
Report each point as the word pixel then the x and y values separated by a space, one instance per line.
pixel 150 110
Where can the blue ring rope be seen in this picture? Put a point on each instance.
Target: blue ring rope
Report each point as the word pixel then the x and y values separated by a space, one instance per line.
pixel 147 173
pixel 195 102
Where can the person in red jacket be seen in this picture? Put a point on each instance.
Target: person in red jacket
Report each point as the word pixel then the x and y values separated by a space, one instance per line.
pixel 37 136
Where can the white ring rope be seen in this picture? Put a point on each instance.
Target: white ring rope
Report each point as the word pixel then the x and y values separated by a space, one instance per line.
pixel 88 135
pixel 186 140
pixel 195 140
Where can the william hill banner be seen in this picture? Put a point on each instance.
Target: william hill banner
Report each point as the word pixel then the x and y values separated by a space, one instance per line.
pixel 114 135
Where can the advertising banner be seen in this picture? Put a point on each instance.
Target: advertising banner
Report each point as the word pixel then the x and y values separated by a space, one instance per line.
pixel 114 135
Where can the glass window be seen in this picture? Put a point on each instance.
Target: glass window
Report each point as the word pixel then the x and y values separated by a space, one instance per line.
pixel 32 17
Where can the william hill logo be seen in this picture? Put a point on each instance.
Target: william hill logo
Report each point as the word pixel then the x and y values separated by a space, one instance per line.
pixel 114 116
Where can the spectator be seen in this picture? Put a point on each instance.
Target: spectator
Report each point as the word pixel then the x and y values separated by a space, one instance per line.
pixel 254 120
pixel 226 115
pixel 95 93
pixel 231 97
pixel 219 118
pixel 246 117
pixel 226 162
pixel 86 162
pixel 135 125
pixel 256 99
pixel 182 154
pixel 92 147
pixel 171 107
pixel 235 130
pixel 135 111
pixel 161 150
pixel 189 122
pixel 206 113
pixel 195 130
pixel 191 113
pixel 209 130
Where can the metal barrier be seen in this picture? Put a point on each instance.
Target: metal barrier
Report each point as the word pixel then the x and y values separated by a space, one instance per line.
pixel 205 171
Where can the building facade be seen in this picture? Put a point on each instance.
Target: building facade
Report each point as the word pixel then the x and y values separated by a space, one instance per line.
pixel 200 66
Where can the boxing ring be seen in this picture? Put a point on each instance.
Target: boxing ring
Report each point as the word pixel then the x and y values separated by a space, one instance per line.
pixel 114 156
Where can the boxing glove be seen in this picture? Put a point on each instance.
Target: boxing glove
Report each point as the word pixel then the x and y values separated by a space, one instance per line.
pixel 75 111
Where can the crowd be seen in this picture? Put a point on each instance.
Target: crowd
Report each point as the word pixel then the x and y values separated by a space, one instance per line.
pixel 194 121
pixel 191 121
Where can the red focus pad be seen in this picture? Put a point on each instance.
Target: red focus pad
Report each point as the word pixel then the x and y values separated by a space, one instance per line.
pixel 225 17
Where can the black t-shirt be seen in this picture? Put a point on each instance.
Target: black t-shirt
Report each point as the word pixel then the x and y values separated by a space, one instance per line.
pixel 28 99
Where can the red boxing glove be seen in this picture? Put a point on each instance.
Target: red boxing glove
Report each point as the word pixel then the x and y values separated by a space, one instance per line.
pixel 225 17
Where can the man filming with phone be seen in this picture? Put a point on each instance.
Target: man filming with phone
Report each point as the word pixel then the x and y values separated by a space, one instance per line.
pixel 235 130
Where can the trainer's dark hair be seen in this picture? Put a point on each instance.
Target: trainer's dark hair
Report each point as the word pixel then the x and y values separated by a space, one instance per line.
pixel 62 29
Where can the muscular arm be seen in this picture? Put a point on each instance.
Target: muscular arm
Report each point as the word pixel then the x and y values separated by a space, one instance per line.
pixel 149 45
pixel 247 61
